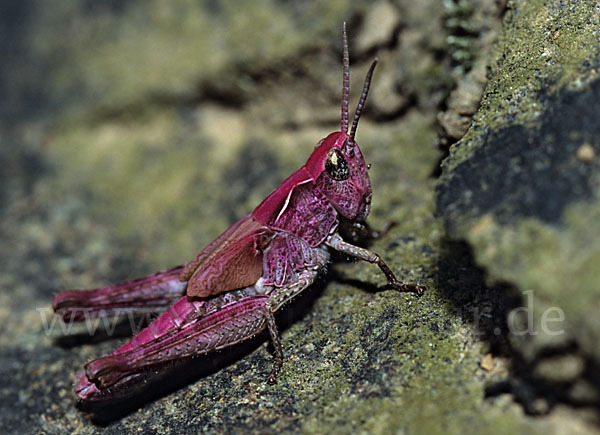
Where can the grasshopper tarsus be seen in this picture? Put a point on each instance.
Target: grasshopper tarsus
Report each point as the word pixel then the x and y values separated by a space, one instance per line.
pixel 417 289
pixel 272 378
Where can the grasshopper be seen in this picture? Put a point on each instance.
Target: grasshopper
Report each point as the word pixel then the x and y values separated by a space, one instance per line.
pixel 231 290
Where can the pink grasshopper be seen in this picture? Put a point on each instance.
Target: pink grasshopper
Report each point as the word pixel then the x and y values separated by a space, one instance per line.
pixel 230 292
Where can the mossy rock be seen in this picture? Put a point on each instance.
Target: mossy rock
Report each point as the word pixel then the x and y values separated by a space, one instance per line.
pixel 522 187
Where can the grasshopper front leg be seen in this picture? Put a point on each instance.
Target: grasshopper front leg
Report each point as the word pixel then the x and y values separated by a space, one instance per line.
pixel 336 242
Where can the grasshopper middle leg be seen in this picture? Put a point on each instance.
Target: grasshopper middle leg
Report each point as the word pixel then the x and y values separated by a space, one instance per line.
pixel 276 300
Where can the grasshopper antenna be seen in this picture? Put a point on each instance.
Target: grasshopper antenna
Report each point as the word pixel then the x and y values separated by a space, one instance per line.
pixel 361 103
pixel 345 80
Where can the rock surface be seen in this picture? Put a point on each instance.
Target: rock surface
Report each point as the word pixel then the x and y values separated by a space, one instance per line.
pixel 522 188
pixel 135 132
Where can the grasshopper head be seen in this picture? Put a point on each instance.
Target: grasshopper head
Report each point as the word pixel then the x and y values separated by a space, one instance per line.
pixel 343 177
pixel 337 165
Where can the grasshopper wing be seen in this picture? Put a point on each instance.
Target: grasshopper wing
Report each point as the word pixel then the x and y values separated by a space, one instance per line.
pixel 231 261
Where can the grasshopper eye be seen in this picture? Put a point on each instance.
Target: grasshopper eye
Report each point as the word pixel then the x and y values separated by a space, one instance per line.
pixel 336 165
